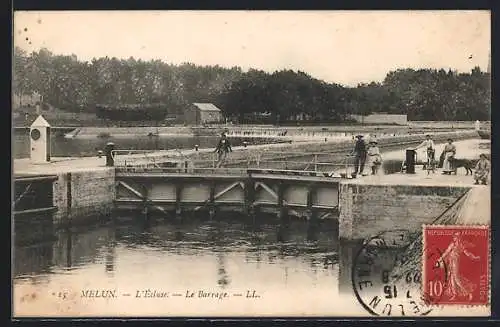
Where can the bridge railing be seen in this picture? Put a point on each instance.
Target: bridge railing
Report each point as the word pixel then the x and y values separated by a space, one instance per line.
pixel 333 163
pixel 144 158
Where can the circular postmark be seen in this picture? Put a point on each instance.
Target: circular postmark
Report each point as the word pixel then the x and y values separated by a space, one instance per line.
pixel 387 275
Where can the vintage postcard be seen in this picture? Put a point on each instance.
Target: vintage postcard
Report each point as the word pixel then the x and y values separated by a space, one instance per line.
pixel 251 164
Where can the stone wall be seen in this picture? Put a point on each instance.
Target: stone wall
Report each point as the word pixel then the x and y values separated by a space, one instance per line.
pixel 83 193
pixel 367 210
pixel 381 119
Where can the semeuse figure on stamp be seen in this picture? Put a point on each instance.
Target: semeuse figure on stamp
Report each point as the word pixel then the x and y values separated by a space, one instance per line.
pixel 457 284
pixel 360 155
pixel 222 149
pixel 482 170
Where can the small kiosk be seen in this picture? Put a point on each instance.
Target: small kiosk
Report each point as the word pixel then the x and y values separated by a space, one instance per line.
pixel 40 141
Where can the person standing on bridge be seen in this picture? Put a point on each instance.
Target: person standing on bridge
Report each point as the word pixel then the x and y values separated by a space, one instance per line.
pixel 360 156
pixel 222 149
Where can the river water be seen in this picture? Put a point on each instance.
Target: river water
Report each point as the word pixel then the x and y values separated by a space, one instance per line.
pixel 228 255
pixel 88 146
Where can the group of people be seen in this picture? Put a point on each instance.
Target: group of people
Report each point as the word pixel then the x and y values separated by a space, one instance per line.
pixel 446 158
pixel 446 161
pixel 366 154
pixel 369 155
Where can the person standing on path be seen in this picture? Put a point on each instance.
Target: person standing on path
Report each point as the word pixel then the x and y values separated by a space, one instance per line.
pixel 449 152
pixel 374 157
pixel 360 156
pixel 428 144
pixel 222 149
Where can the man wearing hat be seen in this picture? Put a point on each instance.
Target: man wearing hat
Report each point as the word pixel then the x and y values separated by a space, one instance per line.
pixel 449 152
pixel 222 149
pixel 482 170
pixel 374 158
pixel 360 153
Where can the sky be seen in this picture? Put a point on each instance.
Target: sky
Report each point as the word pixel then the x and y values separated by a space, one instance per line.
pixel 344 47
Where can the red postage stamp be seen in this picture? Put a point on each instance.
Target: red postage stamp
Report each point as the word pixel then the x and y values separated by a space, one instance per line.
pixel 456 265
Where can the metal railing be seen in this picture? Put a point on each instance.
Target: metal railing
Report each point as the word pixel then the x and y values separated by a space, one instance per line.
pixel 143 158
pixel 206 161
pixel 328 164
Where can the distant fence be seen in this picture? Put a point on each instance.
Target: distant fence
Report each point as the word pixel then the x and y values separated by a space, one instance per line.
pixel 448 124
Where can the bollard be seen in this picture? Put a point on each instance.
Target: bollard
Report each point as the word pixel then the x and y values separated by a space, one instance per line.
pixel 110 162
pixel 196 147
pixel 245 144
pixel 410 161
pixel 99 153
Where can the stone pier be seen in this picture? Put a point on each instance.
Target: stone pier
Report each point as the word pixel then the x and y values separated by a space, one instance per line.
pixel 373 205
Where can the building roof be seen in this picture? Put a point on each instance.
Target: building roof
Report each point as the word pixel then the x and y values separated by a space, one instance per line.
pixel 206 107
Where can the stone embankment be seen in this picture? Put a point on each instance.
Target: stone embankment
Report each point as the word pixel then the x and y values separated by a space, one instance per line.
pixel 295 133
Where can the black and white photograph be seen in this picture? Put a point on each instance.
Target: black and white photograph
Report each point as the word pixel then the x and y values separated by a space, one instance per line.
pixel 177 163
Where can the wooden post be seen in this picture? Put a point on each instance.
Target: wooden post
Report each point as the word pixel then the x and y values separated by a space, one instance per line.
pixel 69 245
pixel 312 215
pixel 282 214
pixel 178 212
pixel 145 203
pixel 250 199
pixel 281 195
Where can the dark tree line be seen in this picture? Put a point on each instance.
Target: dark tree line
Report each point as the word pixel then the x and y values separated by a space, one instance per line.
pixel 73 85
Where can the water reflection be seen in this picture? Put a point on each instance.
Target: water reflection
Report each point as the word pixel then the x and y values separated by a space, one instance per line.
pixel 223 280
pixel 73 247
pixel 110 252
pixel 227 254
